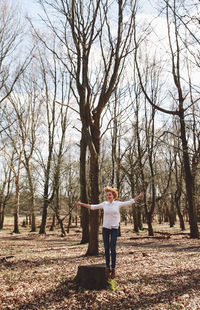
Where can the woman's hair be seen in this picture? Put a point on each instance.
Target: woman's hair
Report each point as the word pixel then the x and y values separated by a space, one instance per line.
pixel 112 190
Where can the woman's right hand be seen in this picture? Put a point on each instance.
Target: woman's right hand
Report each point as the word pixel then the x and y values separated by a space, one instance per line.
pixel 82 204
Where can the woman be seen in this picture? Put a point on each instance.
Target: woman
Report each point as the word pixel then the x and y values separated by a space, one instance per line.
pixel 111 220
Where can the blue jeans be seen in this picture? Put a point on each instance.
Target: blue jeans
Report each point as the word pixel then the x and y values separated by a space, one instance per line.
pixel 110 244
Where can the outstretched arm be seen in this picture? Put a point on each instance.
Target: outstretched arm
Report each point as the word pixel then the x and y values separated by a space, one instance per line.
pixel 91 207
pixel 83 205
pixel 139 196
pixel 130 202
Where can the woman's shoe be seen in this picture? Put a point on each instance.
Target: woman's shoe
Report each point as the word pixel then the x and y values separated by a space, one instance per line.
pixel 113 274
pixel 108 271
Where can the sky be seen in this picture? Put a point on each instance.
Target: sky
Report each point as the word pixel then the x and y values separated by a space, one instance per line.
pixel 33 8
pixel 30 6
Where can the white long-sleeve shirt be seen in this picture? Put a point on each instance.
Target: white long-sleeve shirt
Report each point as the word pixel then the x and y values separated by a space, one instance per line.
pixel 111 214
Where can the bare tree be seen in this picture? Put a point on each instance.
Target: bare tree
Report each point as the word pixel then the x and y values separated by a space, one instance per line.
pixel 5 189
pixel 26 104
pixel 16 154
pixel 181 107
pixel 11 33
pixel 86 26
pixel 55 90
pixel 59 156
pixel 50 110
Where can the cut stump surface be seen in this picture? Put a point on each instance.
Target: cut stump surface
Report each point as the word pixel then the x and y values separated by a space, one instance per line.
pixel 92 276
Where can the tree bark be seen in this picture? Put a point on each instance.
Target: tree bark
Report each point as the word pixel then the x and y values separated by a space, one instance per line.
pixel 69 222
pixel 171 215
pixel 46 194
pixel 135 219
pixel 177 202
pixel 63 233
pixel 1 210
pixel 16 210
pixel 140 225
pixel 194 233
pixel 93 247
pixel 44 218
pixel 53 223
pixel 33 219
pixel 1 216
pixel 4 199
pixel 149 223
pixel 83 189
pixel 32 192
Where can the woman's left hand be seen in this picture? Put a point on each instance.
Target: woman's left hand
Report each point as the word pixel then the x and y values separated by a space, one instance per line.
pixel 140 195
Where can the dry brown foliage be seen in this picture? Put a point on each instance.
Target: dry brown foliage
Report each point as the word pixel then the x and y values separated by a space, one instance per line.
pixel 37 272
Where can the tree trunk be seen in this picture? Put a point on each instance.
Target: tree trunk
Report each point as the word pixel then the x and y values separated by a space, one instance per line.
pixel 53 223
pixel 140 226
pixel 149 223
pixel 85 225
pixel 1 205
pixel 44 218
pixel 69 222
pixel 94 214
pixel 32 191
pixel 171 213
pixel 1 217
pixel 83 189
pixel 166 213
pixel 1 214
pixel 182 224
pixel 194 233
pixel 16 210
pixel 171 219
pixel 33 220
pixel 5 196
pixel 135 219
pixel 47 180
pixel 45 200
pixel 177 202
pixel 63 233
pixel 94 190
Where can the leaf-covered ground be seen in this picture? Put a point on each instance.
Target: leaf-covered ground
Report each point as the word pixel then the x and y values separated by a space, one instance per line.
pixel 37 272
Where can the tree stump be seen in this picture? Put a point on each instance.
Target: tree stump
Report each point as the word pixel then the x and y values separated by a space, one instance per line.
pixel 92 276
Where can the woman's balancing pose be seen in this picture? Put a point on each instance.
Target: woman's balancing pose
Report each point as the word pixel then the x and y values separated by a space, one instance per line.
pixel 111 220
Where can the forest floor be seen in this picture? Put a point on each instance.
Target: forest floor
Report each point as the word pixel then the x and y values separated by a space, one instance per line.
pixel 37 271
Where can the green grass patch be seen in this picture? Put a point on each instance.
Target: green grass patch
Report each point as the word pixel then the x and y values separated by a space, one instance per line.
pixel 112 285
